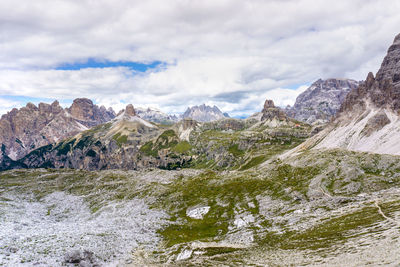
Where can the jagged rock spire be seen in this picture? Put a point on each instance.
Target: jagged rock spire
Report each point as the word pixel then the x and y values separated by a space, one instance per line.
pixel 271 112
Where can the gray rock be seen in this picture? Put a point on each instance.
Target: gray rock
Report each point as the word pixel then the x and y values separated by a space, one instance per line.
pixel 321 101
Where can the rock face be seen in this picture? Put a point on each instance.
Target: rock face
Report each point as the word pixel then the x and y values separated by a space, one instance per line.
pixel 25 129
pixel 204 113
pixel 270 112
pixel 154 115
pixel 88 114
pixel 369 117
pixel 321 101
pixel 382 91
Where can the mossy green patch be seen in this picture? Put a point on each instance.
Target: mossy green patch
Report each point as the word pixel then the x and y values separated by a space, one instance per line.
pixel 182 147
pixel 253 162
pixel 147 149
pixel 234 150
pixel 120 139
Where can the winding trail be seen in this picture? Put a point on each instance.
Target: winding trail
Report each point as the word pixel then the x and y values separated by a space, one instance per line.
pixel 324 192
pixel 383 214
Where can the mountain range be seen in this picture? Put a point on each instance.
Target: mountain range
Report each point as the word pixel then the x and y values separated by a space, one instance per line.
pixel 31 127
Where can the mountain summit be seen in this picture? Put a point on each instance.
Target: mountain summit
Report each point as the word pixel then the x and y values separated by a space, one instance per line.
pixel 204 113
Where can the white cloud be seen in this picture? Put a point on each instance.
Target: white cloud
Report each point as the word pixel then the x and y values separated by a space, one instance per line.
pixel 232 53
pixel 6 105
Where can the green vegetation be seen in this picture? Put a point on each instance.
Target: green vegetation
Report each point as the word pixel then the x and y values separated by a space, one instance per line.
pixel 253 162
pixel 182 147
pixel 64 147
pixel 167 140
pixel 120 139
pixel 235 151
pixel 229 194
pixel 147 149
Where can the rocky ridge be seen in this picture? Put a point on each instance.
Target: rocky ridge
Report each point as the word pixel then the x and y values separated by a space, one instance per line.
pixel 204 113
pixel 25 129
pixel 321 101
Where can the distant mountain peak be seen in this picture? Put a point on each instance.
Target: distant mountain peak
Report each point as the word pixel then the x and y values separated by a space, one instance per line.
pixel 156 116
pixel 204 113
pixel 322 100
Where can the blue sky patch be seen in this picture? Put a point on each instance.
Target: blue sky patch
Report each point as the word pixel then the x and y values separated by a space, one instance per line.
pixel 93 63
pixel 23 100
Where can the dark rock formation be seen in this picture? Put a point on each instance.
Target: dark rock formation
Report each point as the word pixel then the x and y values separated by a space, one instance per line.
pixel 369 117
pixel 376 123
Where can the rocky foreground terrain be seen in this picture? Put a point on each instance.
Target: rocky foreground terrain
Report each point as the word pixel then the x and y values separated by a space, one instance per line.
pixel 320 208
pixel 265 191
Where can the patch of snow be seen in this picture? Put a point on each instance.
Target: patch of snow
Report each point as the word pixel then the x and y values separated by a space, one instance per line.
pixel 125 117
pixel 13 154
pixel 66 114
pixel 197 212
pixel 184 255
pixel 81 126
pixel 243 220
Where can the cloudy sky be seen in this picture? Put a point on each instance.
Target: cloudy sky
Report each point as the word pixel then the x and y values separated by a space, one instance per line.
pixel 174 54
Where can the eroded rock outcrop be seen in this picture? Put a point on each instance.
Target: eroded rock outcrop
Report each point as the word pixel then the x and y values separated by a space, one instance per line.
pixel 270 112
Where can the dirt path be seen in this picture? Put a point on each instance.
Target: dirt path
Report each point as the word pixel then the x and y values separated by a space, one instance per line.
pixel 383 214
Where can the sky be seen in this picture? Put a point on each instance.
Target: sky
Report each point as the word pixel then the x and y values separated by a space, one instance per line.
pixel 178 53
